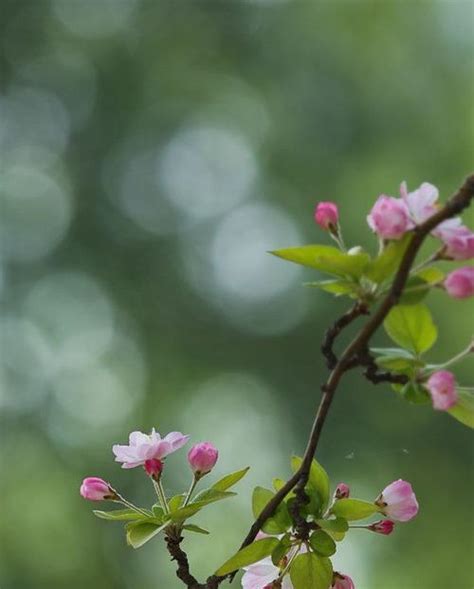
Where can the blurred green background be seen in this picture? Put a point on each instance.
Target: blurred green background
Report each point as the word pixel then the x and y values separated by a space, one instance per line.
pixel 151 153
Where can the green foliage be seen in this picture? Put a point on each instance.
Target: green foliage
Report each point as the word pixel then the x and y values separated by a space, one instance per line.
pixel 310 570
pixel 280 521
pixel 248 555
pixel 282 548
pixel 354 509
pixel 337 287
pixel 140 533
pixel 194 528
pixel 322 543
pixel 463 411
pixel 318 479
pixel 385 265
pixel 415 393
pixel 120 515
pixel 230 480
pixel 412 327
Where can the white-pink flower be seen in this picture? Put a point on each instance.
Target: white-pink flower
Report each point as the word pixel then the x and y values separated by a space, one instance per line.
pixel 143 447
pixel 389 217
pixel 442 388
pixel 342 582
pixel 261 575
pixel 458 239
pixel 421 203
pixel 398 501
pixel 459 283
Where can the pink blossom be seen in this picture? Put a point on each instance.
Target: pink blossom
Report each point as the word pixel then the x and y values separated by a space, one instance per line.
pixel 342 582
pixel 389 217
pixel 326 215
pixel 153 468
pixel 458 239
pixel 261 575
pixel 421 203
pixel 459 284
pixel 202 457
pixel 442 388
pixel 342 491
pixel 144 447
pixel 398 501
pixel 95 489
pixel 384 526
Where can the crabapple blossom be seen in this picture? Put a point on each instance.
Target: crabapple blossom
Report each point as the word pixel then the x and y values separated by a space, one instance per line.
pixel 342 582
pixel 326 215
pixel 202 458
pixel 384 526
pixel 144 447
pixel 459 284
pixel 95 489
pixel 342 491
pixel 442 388
pixel 398 501
pixel 153 467
pixel 459 243
pixel 421 203
pixel 261 575
pixel 389 217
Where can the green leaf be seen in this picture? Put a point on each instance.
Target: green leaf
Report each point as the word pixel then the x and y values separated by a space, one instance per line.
pixel 184 512
pixel 230 480
pixel 158 511
pixel 120 515
pixel 195 529
pixel 353 509
pixel 140 533
pixel 322 543
pixel 415 291
pixel 431 275
pixel 176 502
pixel 393 352
pixel 397 363
pixel 416 394
pixel 337 287
pixel 281 550
pixel 326 258
pixel 318 478
pixel 388 261
pixel 339 524
pixel 280 520
pixel 412 327
pixel 248 555
pixel 463 411
pixel 211 495
pixel 310 571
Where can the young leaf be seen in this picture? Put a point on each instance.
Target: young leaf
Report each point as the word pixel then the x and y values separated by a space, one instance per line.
pixel 318 478
pixel 211 495
pixel 311 571
pixel 230 480
pixel 415 291
pixel 120 515
pixel 326 258
pixel 140 533
pixel 353 509
pixel 280 520
pixel 463 411
pixel 337 287
pixel 195 529
pixel 397 363
pixel 280 551
pixel 412 327
pixel 322 543
pixel 339 524
pixel 388 261
pixel 431 275
pixel 183 513
pixel 248 555
pixel 176 502
pixel 416 394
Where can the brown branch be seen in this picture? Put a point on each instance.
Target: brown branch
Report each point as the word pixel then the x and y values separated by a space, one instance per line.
pixel 374 374
pixel 173 541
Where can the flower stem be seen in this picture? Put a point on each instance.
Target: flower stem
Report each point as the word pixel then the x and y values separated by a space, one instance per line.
pixel 124 501
pixel 454 359
pixel 161 495
pixel 190 491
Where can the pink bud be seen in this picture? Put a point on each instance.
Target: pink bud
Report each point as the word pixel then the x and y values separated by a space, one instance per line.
pixel 398 501
pixel 442 388
pixel 384 526
pixel 389 217
pixel 95 489
pixel 153 468
pixel 342 491
pixel 202 457
pixel 342 582
pixel 326 215
pixel 459 284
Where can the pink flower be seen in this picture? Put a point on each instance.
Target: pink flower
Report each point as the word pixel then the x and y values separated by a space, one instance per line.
pixel 384 526
pixel 421 203
pixel 342 582
pixel 458 239
pixel 261 575
pixel 342 491
pixel 398 501
pixel 442 388
pixel 389 217
pixel 95 489
pixel 202 457
pixel 326 215
pixel 144 447
pixel 153 468
pixel 459 284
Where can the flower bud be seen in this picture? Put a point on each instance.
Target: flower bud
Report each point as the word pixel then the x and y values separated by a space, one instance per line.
pixel 459 284
pixel 389 218
pixel 326 215
pixel 153 468
pixel 342 491
pixel 398 501
pixel 202 457
pixel 442 388
pixel 384 526
pixel 95 489
pixel 342 582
